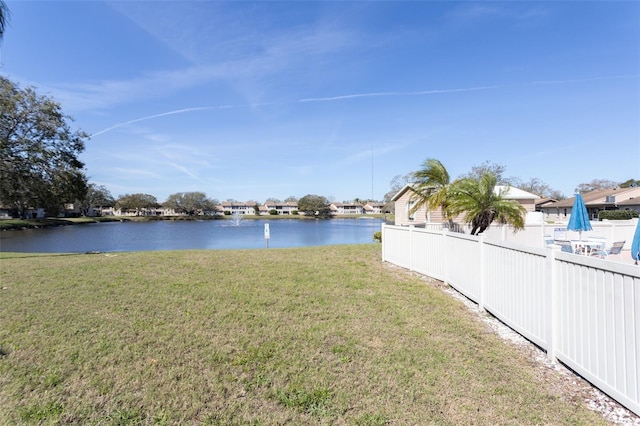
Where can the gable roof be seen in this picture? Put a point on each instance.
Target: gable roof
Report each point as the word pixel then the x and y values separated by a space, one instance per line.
pixel 513 193
pixel 633 201
pixel 599 197
pixel 404 189
pixel 509 192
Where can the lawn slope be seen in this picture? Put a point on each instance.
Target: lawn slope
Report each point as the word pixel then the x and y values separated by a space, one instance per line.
pixel 322 335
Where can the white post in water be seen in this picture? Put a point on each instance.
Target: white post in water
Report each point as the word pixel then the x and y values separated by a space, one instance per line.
pixel 266 233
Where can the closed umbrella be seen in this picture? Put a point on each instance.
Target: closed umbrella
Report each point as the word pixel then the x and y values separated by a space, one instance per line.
pixel 579 220
pixel 635 244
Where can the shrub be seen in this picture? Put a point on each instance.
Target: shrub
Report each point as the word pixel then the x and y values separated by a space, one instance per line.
pixel 273 212
pixel 617 214
pixel 377 236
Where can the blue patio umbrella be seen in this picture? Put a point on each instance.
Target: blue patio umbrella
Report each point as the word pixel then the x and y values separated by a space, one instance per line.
pixel 579 220
pixel 635 244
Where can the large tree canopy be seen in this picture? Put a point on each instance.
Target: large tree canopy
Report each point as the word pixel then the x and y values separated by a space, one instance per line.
pixel 138 203
pixel 97 196
pixel 39 165
pixel 189 202
pixel 314 205
pixel 596 184
pixel 630 183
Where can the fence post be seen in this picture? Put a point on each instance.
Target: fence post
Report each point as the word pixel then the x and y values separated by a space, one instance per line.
pixel 552 312
pixel 384 238
pixel 445 263
pixel 483 279
pixel 411 261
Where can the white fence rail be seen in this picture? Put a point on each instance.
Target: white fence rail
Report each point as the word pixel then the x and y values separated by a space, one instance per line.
pixel 532 235
pixel 583 311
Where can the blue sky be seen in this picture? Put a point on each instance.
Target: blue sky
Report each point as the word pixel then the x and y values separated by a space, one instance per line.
pixel 250 100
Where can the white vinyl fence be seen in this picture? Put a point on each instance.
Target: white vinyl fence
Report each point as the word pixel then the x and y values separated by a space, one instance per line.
pixel 532 235
pixel 585 312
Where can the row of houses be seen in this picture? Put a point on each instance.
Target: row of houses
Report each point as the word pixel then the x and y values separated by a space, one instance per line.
pixel 248 208
pixel 547 209
pixel 595 201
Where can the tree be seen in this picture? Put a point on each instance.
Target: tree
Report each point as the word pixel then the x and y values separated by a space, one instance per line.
pixel 481 205
pixel 433 188
pixel 4 18
pixel 189 202
pixel 630 183
pixel 538 187
pixel 314 205
pixel 595 185
pixel 397 183
pixel 97 196
pixel 136 202
pixel 291 199
pixel 39 165
pixel 495 169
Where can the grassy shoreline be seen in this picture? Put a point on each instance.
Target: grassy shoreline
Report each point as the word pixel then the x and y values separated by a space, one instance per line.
pixel 319 335
pixel 18 224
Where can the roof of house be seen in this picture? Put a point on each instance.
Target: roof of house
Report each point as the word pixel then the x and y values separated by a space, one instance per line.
pixel 633 201
pixel 372 206
pixel 400 193
pixel 599 197
pixel 508 192
pixel 543 201
pixel 513 193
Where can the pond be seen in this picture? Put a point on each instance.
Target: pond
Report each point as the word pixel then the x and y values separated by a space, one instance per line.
pixel 183 235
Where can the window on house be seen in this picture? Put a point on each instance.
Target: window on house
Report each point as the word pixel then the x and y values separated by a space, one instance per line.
pixel 410 205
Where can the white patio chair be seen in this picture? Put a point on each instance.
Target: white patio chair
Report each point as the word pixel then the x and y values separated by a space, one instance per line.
pixel 615 248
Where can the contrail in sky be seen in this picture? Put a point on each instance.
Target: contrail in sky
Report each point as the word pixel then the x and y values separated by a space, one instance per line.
pixel 360 95
pixel 328 99
pixel 381 94
pixel 149 117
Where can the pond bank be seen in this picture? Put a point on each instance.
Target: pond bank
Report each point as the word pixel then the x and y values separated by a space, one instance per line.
pixel 20 224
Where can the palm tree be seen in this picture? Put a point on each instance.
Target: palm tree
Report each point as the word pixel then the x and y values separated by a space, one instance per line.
pixel 481 205
pixel 432 188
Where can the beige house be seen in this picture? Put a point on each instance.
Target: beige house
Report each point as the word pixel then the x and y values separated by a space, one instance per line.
pixel 406 198
pixel 595 201
pixel 373 208
pixel 346 208
pixel 287 207
pixel 236 207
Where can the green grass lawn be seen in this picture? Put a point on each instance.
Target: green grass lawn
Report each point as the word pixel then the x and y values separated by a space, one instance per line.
pixel 322 335
pixel 17 224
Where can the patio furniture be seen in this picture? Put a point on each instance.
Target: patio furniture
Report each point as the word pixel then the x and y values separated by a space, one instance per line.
pixel 615 248
pixel 548 239
pixel 602 242
pixel 587 247
pixel 565 246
